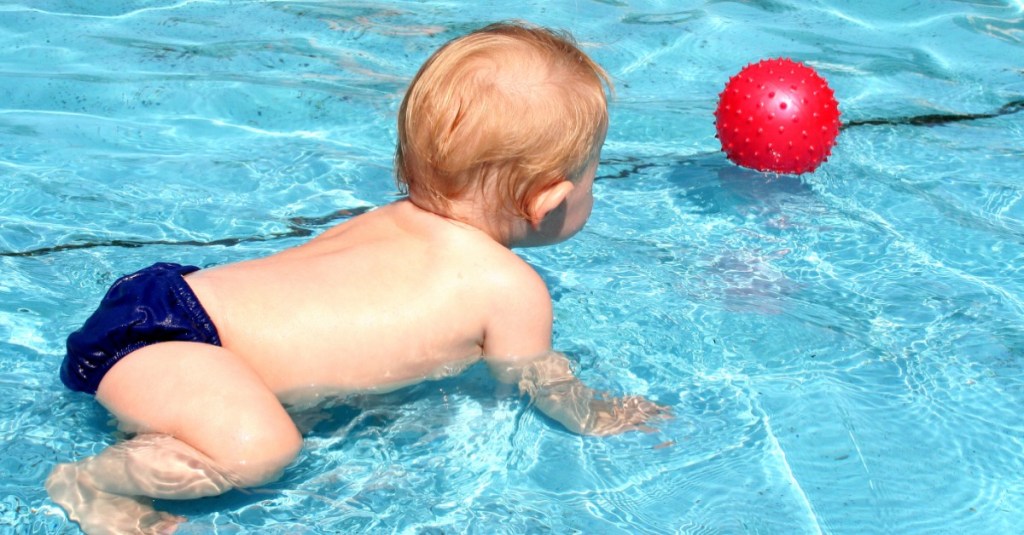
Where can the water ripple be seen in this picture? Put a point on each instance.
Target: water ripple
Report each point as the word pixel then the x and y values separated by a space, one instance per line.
pixel 99 10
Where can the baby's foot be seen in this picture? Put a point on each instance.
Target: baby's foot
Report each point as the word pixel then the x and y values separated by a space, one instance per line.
pixel 102 513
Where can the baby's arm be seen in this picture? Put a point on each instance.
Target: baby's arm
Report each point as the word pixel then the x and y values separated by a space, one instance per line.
pixel 517 349
pixel 559 394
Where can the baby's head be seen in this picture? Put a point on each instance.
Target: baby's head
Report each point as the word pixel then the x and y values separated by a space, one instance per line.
pixel 507 110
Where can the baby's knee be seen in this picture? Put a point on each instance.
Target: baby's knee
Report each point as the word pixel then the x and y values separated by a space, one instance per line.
pixel 262 455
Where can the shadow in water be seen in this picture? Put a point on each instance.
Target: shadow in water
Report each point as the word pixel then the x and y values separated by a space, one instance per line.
pixel 712 185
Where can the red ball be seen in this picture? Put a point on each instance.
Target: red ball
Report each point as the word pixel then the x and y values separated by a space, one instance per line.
pixel 777 115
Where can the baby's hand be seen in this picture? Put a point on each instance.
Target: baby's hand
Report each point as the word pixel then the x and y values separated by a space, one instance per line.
pixel 611 416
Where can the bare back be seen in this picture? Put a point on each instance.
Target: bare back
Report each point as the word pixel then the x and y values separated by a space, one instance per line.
pixel 386 299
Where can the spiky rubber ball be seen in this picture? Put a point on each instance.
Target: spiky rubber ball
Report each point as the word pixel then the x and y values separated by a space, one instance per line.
pixel 777 115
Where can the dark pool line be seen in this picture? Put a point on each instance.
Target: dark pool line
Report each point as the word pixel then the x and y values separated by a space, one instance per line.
pixel 299 227
pixel 938 118
pixel 633 165
pixel 304 226
pixel 134 244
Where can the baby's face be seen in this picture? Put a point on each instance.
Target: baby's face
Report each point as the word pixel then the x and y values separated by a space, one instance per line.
pixel 579 203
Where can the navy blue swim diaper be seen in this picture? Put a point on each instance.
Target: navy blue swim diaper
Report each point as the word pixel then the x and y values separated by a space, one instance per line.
pixel 147 307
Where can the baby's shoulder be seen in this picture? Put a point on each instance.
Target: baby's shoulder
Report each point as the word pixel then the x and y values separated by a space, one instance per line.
pixel 509 278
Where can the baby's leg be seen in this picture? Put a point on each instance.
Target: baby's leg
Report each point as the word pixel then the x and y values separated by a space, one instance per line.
pixel 208 424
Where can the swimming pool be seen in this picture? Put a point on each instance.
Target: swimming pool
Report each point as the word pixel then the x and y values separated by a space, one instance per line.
pixel 843 351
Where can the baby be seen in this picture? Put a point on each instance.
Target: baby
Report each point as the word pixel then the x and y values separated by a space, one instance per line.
pixel 499 135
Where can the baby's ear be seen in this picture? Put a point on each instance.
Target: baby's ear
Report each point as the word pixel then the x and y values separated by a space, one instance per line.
pixel 547 200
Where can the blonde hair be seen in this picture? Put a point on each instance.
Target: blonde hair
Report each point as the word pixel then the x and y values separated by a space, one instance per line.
pixel 509 106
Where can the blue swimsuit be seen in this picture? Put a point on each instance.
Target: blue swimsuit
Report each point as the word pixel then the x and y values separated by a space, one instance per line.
pixel 147 307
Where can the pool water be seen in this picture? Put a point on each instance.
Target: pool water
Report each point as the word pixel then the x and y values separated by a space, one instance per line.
pixel 843 351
